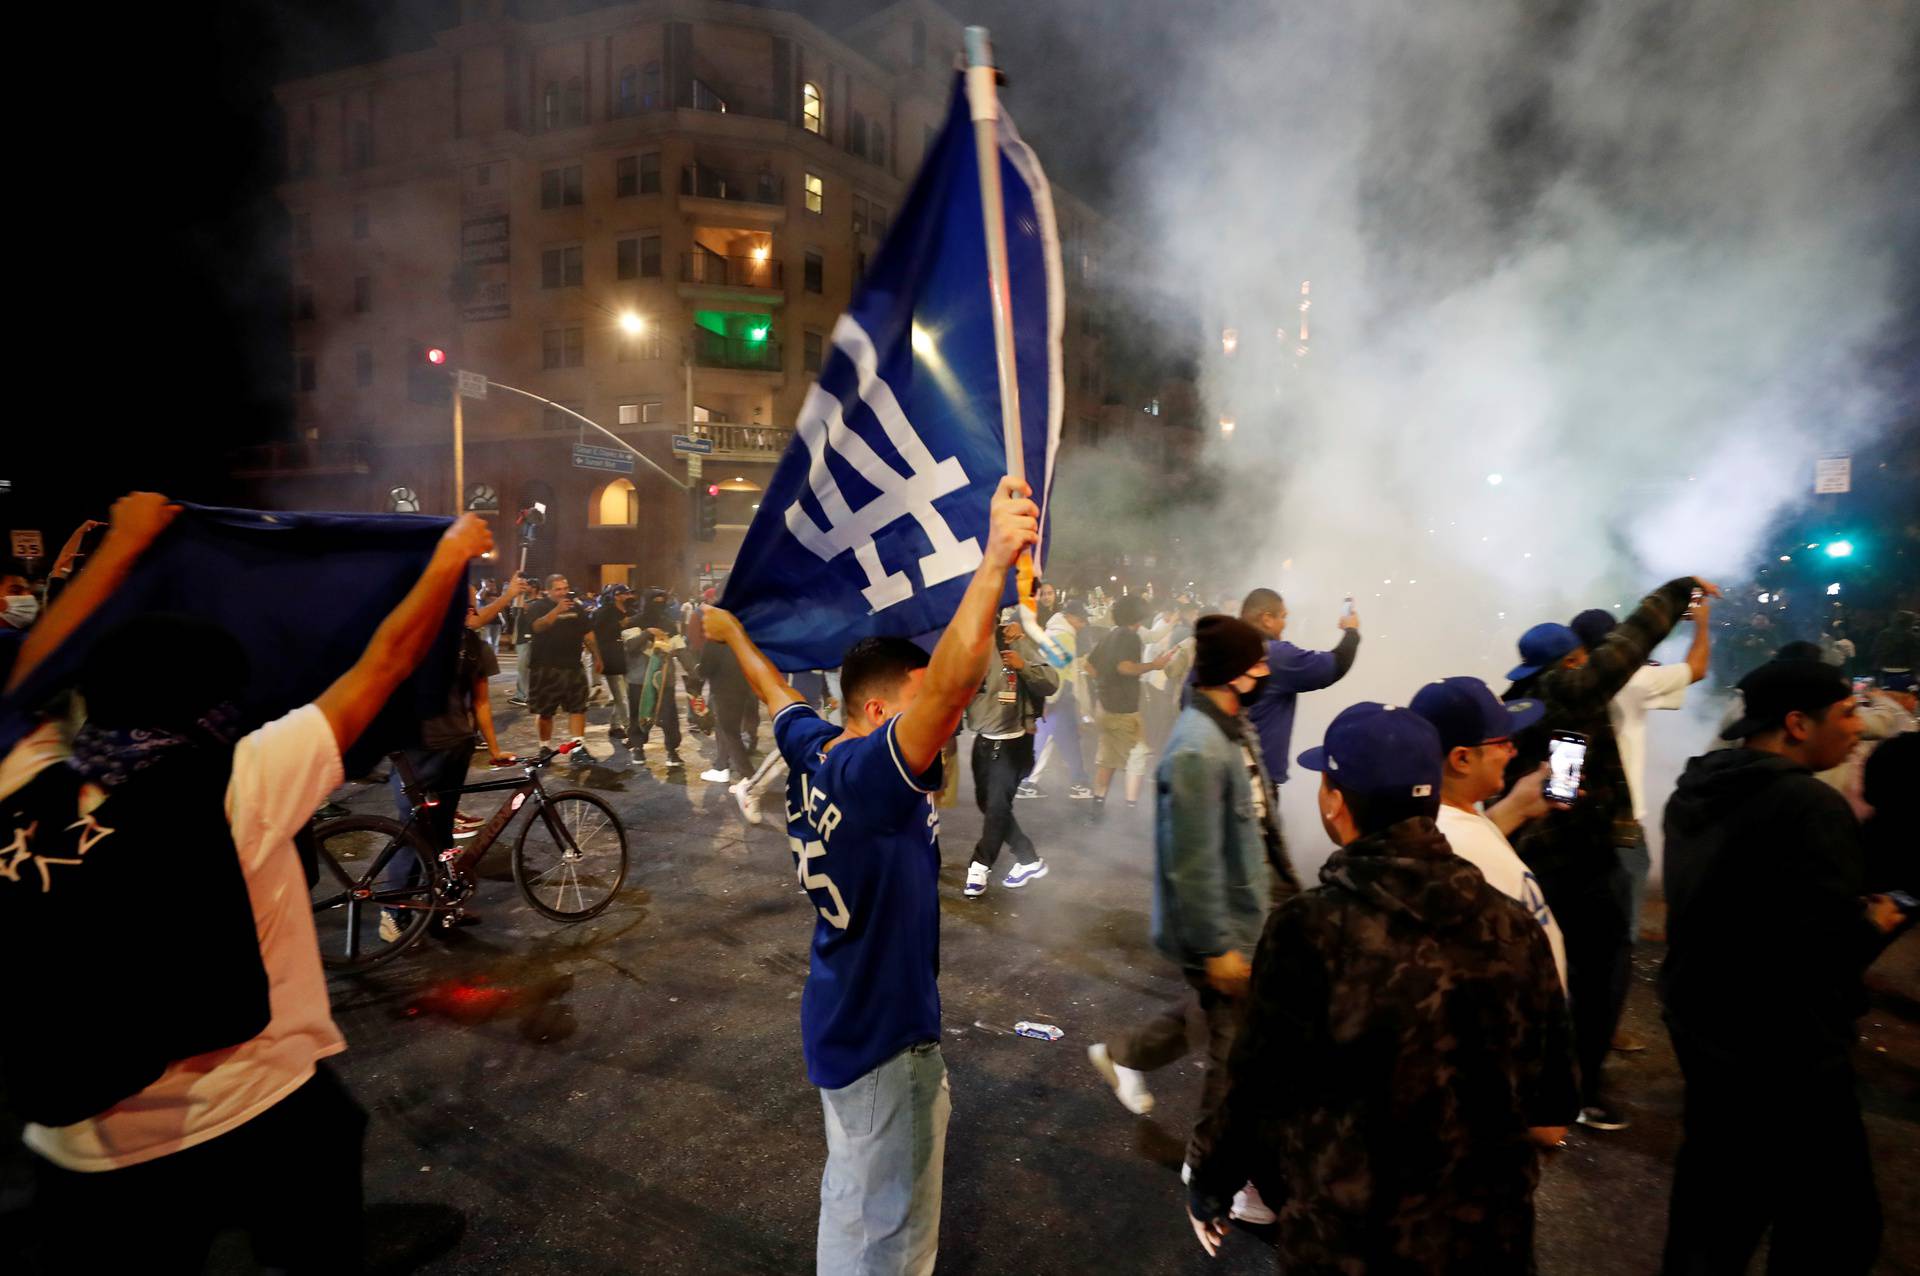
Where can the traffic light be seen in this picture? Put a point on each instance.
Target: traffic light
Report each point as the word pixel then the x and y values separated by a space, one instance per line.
pixel 428 381
pixel 706 511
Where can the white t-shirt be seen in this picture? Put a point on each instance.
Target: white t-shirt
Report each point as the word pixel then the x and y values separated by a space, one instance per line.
pixel 1479 841
pixel 1651 687
pixel 280 774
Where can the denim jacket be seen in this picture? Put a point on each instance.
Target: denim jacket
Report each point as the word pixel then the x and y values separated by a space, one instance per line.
pixel 1212 881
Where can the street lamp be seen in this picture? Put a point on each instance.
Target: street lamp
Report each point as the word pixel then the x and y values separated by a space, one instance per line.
pixel 632 324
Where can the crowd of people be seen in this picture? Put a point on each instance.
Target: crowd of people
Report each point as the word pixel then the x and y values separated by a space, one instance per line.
pixel 1389 1052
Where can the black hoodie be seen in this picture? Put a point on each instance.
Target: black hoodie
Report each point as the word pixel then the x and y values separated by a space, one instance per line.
pixel 1404 1028
pixel 1767 936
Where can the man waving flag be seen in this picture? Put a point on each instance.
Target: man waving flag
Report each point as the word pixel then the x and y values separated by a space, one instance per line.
pixel 876 518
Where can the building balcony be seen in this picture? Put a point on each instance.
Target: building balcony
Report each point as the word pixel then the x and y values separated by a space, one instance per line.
pixel 756 443
pixel 306 458
pixel 722 194
pixel 758 280
pixel 712 350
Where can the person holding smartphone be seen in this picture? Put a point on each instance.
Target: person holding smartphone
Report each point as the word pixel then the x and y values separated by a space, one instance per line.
pixel 1769 930
pixel 1574 852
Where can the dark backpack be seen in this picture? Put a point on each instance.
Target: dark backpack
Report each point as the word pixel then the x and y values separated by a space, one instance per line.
pixel 129 932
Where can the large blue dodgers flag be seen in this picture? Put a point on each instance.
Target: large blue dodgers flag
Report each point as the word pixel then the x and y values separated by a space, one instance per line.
pixel 876 517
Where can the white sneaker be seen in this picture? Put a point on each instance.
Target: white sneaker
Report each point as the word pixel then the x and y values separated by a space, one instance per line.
pixel 1020 874
pixel 1249 1208
pixel 976 880
pixel 717 777
pixel 1129 1086
pixel 389 927
pixel 748 804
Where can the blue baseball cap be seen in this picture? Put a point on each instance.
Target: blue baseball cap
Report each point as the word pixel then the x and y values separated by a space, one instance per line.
pixel 1466 713
pixel 1540 646
pixel 1379 749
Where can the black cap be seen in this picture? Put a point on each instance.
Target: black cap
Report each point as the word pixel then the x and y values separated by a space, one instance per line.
pixel 1224 648
pixel 1781 687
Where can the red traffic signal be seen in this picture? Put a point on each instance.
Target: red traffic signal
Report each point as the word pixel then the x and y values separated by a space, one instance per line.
pixel 436 355
pixel 713 489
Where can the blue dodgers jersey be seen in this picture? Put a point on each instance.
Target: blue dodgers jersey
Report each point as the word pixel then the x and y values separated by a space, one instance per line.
pixel 866 846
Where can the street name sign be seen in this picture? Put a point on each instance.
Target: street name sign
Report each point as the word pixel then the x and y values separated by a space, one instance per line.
pixel 27 544
pixel 472 385
pixel 613 460
pixel 692 446
pixel 1832 474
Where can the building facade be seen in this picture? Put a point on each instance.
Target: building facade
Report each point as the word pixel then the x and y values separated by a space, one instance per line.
pixel 651 214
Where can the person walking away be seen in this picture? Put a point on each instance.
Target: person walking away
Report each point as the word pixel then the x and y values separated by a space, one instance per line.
pixel 1218 865
pixel 1405 1053
pixel 1003 715
pixel 866 843
pixel 1652 686
pixel 161 1116
pixel 613 616
pixel 1060 723
pixel 655 637
pixel 727 691
pixel 1574 852
pixel 1476 744
pixel 1118 663
pixel 1769 930
pixel 557 683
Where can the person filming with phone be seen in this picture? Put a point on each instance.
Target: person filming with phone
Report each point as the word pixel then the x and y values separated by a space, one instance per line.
pixel 1769 930
pixel 1574 851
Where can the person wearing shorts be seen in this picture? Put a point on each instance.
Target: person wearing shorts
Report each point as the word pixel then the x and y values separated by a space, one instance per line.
pixel 556 682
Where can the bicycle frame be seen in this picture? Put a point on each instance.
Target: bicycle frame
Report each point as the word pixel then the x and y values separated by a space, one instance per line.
pixel 461 861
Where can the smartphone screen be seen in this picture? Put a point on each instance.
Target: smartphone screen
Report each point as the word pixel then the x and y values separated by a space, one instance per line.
pixel 1566 756
pixel 1347 612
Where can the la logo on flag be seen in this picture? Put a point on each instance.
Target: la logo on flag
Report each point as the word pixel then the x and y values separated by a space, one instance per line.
pixel 876 517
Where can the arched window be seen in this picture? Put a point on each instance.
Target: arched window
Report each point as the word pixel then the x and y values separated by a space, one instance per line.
pixel 483 498
pixel 627 97
pixel 550 105
pixel 615 505
pixel 650 87
pixel 403 500
pixel 576 101
pixel 813 109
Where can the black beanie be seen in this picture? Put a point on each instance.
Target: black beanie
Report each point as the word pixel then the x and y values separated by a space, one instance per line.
pixel 1224 649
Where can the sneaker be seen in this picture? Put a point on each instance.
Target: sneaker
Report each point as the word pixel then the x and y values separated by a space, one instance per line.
pixel 1079 792
pixel 1601 1117
pixel 1249 1208
pixel 748 804
pixel 1020 874
pixel 1096 809
pixel 674 763
pixel 1027 789
pixel 1626 1043
pixel 976 880
pixel 717 777
pixel 1129 1086
pixel 580 755
pixel 389 927
pixel 519 700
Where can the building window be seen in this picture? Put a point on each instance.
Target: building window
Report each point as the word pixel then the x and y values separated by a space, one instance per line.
pixel 550 105
pixel 634 349
pixel 650 256
pixel 650 86
pixel 626 259
pixel 483 498
pixel 360 150
pixel 857 134
pixel 362 366
pixel 877 145
pixel 560 187
pixel 816 193
pixel 629 414
pixel 302 301
pixel 1153 407
pixel 362 294
pixel 555 417
pixel 403 500
pixel 816 269
pixel 650 173
pixel 576 102
pixel 562 267
pixel 860 207
pixel 616 505
pixel 877 221
pixel 360 220
pixel 812 109
pixel 303 372
pixel 811 347
pixel 302 232
pixel 627 98
pixel 563 347
pixel 626 176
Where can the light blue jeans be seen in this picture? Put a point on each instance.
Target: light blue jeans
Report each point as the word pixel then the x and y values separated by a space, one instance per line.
pixel 886 1146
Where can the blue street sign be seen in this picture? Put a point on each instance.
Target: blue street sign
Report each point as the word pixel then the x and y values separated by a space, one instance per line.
pixel 613 460
pixel 687 443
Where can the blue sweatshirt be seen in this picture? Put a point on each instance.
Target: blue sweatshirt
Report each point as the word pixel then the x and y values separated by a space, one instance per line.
pixel 1293 670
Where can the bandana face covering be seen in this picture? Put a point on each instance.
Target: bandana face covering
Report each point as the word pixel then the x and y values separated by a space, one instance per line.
pixel 108 756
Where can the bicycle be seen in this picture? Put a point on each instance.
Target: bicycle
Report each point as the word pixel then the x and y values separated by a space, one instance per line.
pixel 370 904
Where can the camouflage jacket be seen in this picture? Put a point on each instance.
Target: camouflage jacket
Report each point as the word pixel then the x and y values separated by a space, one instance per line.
pixel 1582 838
pixel 1404 1028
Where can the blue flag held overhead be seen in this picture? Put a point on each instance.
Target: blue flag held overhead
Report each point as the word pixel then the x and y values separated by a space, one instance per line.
pixel 876 517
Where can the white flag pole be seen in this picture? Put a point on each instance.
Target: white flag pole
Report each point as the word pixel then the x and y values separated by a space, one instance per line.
pixel 983 107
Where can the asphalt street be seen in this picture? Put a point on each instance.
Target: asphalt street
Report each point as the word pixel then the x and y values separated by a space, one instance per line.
pixel 627 1094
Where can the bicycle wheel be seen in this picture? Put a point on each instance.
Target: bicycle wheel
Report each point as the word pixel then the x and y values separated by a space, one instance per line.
pixel 376 890
pixel 571 856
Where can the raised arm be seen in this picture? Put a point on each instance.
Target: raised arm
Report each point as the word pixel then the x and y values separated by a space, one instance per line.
pixel 724 626
pixel 1616 659
pixel 404 636
pixel 138 518
pixel 487 615
pixel 1701 651
pixel 960 660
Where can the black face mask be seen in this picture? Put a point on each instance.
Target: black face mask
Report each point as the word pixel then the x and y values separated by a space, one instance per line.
pixel 1259 688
